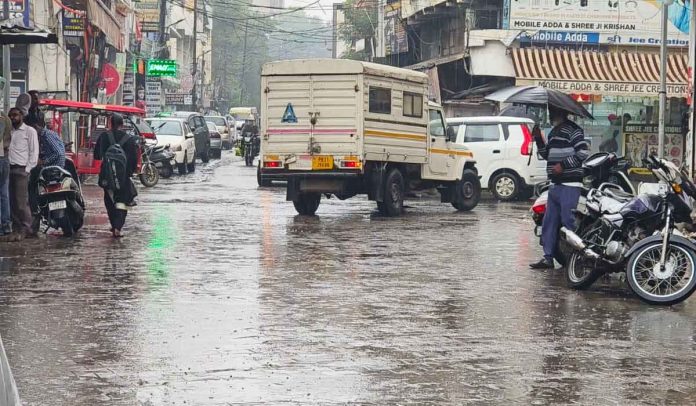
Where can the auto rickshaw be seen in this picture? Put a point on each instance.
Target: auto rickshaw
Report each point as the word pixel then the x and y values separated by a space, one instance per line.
pixel 84 124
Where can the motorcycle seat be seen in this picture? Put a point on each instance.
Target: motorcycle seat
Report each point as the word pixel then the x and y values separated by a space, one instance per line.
pixel 619 195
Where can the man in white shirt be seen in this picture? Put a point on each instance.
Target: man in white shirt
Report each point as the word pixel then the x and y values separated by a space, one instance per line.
pixel 24 155
pixel 6 134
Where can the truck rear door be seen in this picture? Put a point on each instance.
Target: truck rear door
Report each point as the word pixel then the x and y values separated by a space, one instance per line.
pixel 311 121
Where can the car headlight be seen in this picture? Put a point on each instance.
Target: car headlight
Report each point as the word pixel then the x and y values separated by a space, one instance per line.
pixel 177 148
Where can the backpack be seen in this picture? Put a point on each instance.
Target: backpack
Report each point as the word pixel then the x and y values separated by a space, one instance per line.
pixel 112 174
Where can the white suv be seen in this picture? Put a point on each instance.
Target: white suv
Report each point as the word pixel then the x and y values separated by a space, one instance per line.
pixel 504 153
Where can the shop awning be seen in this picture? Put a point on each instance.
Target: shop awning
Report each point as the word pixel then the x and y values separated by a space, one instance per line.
pixel 435 62
pixel 22 35
pixel 101 17
pixel 600 73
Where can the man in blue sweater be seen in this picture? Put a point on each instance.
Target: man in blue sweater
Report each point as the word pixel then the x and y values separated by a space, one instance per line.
pixel 564 153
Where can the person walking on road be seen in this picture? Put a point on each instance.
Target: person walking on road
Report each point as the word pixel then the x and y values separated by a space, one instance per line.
pixel 24 155
pixel 5 213
pixel 118 199
pixel 564 153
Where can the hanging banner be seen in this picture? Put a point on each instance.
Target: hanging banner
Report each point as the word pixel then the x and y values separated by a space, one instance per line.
pixel 634 22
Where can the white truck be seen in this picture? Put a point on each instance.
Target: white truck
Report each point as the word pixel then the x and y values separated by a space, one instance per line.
pixel 343 128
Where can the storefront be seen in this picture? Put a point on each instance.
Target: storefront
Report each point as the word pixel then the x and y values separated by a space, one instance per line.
pixel 620 89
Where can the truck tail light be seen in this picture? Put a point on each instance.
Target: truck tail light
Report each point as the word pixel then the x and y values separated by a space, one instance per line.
pixel 526 148
pixel 271 164
pixel 350 162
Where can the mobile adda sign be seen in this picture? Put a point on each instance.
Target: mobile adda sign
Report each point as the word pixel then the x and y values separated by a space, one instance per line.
pixel 626 22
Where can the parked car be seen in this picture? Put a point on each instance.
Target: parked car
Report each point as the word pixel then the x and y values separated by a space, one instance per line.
pixel 215 141
pixel 504 153
pixel 176 133
pixel 199 127
pixel 226 129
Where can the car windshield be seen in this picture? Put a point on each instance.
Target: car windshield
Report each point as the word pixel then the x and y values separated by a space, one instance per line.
pixel 166 127
pixel 211 126
pixel 216 120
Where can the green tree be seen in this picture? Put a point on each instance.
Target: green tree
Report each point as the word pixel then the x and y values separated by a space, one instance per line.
pixel 360 24
pixel 273 35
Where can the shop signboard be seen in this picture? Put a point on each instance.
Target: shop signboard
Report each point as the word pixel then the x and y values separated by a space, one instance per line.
pixel 128 89
pixel 641 141
pixel 19 12
pixel 17 87
pixel 73 24
pixel 633 22
pixel 153 96
pixel 608 88
pixel 175 99
pixel 148 11
pixel 161 67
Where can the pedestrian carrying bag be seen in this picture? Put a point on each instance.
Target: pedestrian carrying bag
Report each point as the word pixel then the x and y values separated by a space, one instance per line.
pixel 112 174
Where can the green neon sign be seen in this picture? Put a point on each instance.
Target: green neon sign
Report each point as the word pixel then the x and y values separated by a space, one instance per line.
pixel 160 67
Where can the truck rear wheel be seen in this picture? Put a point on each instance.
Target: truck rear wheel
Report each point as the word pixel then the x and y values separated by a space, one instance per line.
pixel 467 191
pixel 307 204
pixel 394 186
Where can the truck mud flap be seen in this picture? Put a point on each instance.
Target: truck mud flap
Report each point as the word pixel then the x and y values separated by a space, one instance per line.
pixel 375 189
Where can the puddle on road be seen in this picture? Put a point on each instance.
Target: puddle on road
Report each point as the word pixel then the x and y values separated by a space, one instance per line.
pixel 220 294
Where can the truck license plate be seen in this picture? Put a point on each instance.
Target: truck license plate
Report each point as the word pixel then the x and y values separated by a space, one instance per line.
pixel 322 162
pixel 60 204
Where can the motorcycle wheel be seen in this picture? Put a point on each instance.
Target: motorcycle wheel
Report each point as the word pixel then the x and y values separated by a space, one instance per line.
pixel 248 158
pixel 149 176
pixel 581 272
pixel 65 225
pixel 666 287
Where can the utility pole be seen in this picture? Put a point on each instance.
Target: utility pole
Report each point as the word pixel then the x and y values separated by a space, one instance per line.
pixel 6 71
pixel 162 28
pixel 241 87
pixel 194 101
pixel 663 79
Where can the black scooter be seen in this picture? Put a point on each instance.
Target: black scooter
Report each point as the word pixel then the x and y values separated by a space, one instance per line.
pixel 59 199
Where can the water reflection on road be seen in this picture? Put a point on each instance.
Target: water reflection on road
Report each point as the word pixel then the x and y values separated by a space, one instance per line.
pixel 220 294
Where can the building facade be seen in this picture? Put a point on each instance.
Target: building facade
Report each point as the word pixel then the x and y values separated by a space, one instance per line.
pixel 606 55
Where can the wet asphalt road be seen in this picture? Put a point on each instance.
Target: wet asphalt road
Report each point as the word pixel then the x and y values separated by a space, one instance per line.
pixel 221 295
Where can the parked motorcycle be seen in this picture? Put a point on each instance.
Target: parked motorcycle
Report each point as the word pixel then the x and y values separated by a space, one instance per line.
pixel 644 237
pixel 252 144
pixel 599 169
pixel 164 160
pixel 60 201
pixel 156 161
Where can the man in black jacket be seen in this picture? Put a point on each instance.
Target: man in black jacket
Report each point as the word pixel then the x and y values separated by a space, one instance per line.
pixel 564 153
pixel 117 202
